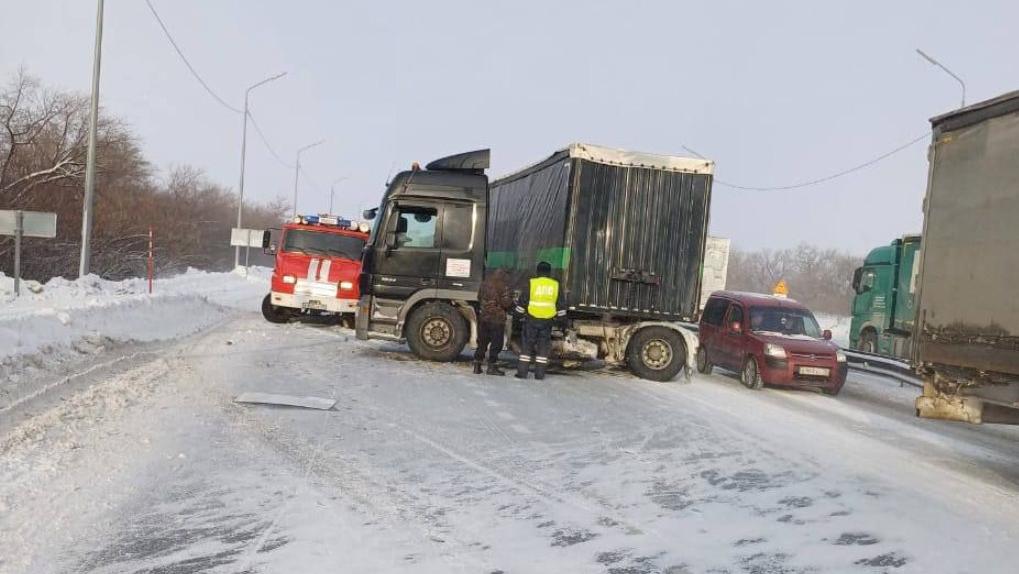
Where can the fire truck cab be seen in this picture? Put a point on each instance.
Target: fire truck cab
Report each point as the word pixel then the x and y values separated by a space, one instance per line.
pixel 318 261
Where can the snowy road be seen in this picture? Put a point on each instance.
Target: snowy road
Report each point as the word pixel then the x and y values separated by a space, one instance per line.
pixel 148 466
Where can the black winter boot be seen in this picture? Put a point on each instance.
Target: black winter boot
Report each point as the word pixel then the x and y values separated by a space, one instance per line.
pixel 494 369
pixel 539 372
pixel 477 367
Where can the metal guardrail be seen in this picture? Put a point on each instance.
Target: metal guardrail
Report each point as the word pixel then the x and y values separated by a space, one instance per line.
pixel 881 365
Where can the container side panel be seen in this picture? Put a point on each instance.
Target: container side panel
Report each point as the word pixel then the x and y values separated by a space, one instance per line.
pixel 527 222
pixel 638 241
pixel 969 308
pixel 905 295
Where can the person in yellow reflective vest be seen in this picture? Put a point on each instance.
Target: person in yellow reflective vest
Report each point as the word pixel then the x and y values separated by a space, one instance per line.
pixel 540 304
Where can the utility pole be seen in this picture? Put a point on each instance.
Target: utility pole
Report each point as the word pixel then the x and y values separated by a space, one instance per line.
pixel 332 190
pixel 90 162
pixel 947 71
pixel 244 147
pixel 297 169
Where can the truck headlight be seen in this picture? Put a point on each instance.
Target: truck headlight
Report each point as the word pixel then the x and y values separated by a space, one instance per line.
pixel 289 279
pixel 840 356
pixel 346 285
pixel 774 351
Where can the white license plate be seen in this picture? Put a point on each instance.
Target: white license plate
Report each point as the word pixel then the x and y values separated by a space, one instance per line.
pixel 817 371
pixel 313 304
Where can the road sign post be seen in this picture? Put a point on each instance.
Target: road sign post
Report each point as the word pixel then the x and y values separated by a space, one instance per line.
pixel 19 218
pixel 246 238
pixel 23 224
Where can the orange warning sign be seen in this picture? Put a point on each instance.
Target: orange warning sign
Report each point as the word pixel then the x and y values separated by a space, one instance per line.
pixel 780 289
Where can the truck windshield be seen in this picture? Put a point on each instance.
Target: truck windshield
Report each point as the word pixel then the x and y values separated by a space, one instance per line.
pixel 779 321
pixel 323 243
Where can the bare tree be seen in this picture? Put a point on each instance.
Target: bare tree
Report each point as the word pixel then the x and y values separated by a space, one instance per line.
pixel 820 278
pixel 43 136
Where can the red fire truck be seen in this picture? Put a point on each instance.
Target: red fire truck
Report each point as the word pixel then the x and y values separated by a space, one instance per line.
pixel 318 260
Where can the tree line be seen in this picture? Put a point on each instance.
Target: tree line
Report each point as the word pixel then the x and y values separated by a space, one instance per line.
pixel 43 143
pixel 819 278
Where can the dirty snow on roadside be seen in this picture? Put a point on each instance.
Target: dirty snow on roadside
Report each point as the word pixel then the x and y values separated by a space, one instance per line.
pixel 61 322
pixel 423 467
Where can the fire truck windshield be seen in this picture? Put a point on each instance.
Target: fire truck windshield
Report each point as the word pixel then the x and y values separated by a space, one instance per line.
pixel 323 243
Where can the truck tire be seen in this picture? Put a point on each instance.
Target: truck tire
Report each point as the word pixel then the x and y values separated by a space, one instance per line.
pixel 868 341
pixel 750 376
pixel 272 313
pixel 656 354
pixel 437 332
pixel 703 365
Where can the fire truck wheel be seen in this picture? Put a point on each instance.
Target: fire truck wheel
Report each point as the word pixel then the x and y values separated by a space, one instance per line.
pixel 272 313
pixel 656 354
pixel 437 332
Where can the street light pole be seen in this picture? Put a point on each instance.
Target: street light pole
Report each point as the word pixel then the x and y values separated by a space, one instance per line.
pixel 947 71
pixel 297 169
pixel 90 161
pixel 332 189
pixel 244 147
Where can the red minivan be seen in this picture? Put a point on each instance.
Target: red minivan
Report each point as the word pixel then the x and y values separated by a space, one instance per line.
pixel 769 341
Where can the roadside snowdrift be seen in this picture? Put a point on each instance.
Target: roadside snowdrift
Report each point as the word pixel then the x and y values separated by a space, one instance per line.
pixel 61 318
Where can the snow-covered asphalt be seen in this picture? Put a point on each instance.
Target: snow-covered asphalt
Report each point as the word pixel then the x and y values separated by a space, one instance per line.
pixel 424 467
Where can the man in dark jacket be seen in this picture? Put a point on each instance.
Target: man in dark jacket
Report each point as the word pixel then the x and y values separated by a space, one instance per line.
pixel 494 298
pixel 540 305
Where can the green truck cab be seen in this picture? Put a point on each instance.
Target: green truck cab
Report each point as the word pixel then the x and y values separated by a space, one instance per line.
pixel 883 309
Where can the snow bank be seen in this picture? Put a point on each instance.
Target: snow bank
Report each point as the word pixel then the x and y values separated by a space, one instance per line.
pixel 62 312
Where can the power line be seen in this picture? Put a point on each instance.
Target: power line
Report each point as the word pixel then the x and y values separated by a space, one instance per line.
pixel 222 102
pixel 836 175
pixel 265 141
pixel 184 58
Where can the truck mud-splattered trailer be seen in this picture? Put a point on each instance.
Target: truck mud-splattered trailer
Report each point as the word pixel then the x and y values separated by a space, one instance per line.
pixel 624 231
pixel 967 309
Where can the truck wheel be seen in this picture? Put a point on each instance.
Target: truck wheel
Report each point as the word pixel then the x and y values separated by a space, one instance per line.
pixel 272 313
pixel 703 365
pixel 656 354
pixel 868 341
pixel 437 332
pixel 751 375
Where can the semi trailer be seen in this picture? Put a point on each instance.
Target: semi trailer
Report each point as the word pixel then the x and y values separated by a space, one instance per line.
pixel 966 335
pixel 624 232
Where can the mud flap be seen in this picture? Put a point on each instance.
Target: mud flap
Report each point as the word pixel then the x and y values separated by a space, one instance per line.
pixel 934 405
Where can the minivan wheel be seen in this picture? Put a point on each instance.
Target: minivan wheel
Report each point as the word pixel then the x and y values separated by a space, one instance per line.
pixel 272 313
pixel 437 332
pixel 703 365
pixel 656 354
pixel 751 376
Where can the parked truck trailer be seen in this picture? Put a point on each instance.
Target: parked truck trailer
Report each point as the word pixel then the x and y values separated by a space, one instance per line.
pixel 967 310
pixel 624 231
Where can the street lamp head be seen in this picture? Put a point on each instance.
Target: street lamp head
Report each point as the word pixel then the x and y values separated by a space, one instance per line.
pixel 309 146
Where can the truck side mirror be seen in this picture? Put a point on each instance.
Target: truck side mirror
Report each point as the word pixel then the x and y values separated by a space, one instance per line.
pixel 268 245
pixel 370 214
pixel 826 335
pixel 857 275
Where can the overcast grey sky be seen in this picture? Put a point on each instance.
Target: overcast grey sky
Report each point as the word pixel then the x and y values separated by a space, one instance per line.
pixel 775 92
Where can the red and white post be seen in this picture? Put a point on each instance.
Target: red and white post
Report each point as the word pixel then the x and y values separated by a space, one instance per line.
pixel 152 264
